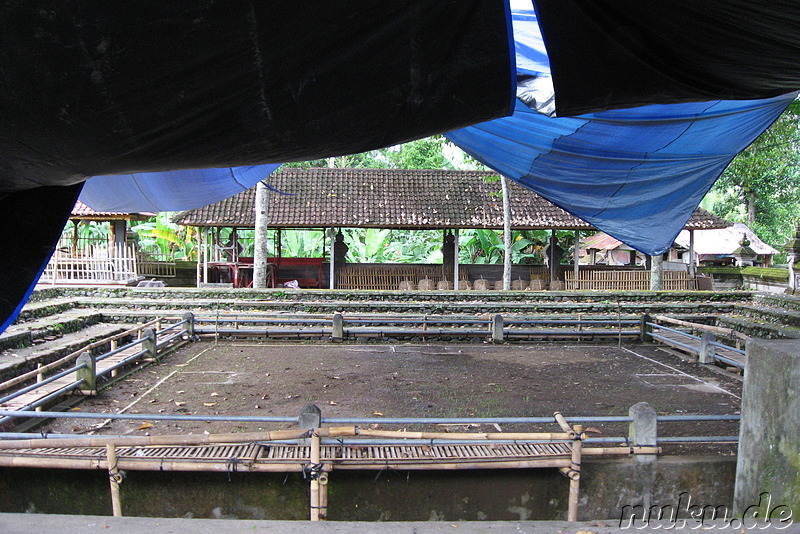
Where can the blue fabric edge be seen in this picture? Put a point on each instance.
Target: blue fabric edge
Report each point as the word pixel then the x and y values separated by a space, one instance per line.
pixel 512 49
pixel 13 316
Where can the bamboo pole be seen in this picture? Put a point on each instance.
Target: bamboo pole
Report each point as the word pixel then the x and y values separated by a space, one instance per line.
pixel 114 479
pixel 564 425
pixel 141 441
pixel 511 436
pixel 315 462
pixel 575 475
pixel 323 496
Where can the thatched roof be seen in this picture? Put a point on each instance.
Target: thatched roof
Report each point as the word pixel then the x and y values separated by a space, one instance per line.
pixel 395 198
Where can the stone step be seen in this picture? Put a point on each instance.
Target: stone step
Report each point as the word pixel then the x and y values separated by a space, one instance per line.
pixel 778 300
pixel 755 328
pixel 41 330
pixel 173 306
pixel 324 295
pixel 40 309
pixel 769 314
pixel 14 362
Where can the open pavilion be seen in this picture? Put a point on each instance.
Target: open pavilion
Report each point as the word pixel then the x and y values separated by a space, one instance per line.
pixel 420 199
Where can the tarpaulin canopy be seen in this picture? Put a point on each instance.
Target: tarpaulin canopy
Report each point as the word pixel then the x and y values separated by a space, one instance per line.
pixel 608 54
pixel 636 173
pixel 170 190
pixel 97 88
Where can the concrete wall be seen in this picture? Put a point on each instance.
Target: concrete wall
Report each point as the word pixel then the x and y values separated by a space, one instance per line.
pixel 769 440
pixel 519 494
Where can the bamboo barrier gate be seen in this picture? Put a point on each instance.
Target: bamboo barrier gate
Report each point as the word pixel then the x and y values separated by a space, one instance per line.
pixel 269 452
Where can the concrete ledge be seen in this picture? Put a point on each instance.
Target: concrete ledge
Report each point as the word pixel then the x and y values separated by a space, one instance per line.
pixel 82 524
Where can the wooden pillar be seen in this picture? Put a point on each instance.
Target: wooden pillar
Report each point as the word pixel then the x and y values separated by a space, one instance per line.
pixel 506 234
pixel 657 273
pixel 456 250
pixel 261 243
pixel 553 259
pixel 576 258
pixel 205 255
pixel 692 259
pixel 332 259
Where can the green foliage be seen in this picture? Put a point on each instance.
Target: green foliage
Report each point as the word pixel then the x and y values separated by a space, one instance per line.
pixel 159 235
pixel 762 185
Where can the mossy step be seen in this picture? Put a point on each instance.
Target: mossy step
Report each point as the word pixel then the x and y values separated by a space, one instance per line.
pixel 14 362
pixel 760 329
pixel 778 300
pixel 44 308
pixel 433 308
pixel 325 295
pixel 779 316
pixel 25 334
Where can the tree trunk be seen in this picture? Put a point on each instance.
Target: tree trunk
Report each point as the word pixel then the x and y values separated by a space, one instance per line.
pixel 261 251
pixel 506 235
pixel 751 207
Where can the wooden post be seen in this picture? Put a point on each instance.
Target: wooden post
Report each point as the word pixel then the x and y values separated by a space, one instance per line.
pixel 575 474
pixel 576 258
pixel 87 374
pixel 114 479
pixel 332 260
pixel 456 275
pixel 692 259
pixel 113 346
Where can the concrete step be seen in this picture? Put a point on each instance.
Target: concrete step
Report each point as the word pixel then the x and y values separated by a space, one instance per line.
pixel 768 314
pixel 40 309
pixel 172 306
pixel 14 362
pixel 48 328
pixel 755 328
pixel 324 295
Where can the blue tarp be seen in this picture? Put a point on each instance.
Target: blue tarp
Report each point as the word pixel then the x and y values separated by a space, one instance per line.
pixel 170 191
pixel 638 173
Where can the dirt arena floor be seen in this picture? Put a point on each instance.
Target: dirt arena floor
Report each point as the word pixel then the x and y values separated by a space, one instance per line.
pixel 432 380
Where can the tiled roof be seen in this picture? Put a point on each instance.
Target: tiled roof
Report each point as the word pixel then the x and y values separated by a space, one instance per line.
pixel 84 212
pixel 393 198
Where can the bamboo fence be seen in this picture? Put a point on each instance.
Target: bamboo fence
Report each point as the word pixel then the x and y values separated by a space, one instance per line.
pixel 626 280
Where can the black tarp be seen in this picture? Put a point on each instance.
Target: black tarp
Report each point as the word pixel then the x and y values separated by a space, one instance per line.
pixel 607 54
pixel 97 87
